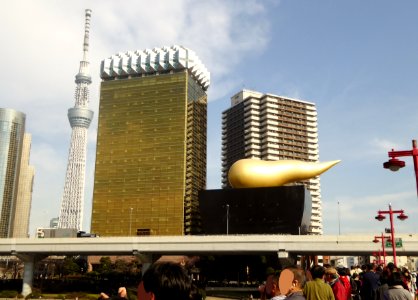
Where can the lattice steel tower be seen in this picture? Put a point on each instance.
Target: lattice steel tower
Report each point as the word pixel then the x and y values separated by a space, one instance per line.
pixel 71 214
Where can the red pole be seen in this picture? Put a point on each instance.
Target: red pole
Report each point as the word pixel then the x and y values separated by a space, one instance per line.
pixel 384 252
pixel 392 234
pixel 415 158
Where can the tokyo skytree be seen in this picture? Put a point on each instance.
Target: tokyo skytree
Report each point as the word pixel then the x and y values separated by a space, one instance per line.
pixel 71 213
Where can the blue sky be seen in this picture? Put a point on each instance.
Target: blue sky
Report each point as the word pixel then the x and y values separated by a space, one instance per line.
pixel 357 60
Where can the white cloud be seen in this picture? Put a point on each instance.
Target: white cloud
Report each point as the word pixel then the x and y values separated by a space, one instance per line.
pixel 356 214
pixel 42 47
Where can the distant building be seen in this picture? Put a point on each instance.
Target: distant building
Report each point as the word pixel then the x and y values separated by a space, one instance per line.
pixel 151 143
pixel 24 195
pixel 53 223
pixel 15 190
pixel 270 127
pixel 56 232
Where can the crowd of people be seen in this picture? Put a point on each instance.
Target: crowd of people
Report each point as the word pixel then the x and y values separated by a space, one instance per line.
pixel 369 282
pixel 170 281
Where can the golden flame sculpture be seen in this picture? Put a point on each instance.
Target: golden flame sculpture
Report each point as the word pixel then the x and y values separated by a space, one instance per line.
pixel 249 173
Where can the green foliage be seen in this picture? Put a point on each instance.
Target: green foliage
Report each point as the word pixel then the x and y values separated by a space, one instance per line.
pixel 105 265
pixel 70 266
pixel 8 294
pixel 121 266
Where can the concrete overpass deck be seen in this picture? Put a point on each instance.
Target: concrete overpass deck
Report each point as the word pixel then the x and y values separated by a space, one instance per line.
pixel 201 245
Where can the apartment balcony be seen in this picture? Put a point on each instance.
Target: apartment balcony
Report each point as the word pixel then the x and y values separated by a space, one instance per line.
pixel 252 123
pixel 269 104
pixel 251 142
pixel 253 134
pixel 316 206
pixel 313 141
pixel 312 129
pixel 251 118
pixel 271 139
pixel 311 119
pixel 270 122
pixel 253 153
pixel 316 219
pixel 251 106
pixel 271 157
pixel 255 130
pixel 316 231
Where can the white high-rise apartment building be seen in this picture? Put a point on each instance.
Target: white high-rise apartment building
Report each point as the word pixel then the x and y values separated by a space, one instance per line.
pixel 270 127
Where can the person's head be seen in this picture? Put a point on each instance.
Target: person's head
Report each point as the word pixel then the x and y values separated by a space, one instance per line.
pixel 391 267
pixel 342 271
pixel 318 272
pixel 369 267
pixel 331 274
pixel 275 289
pixel 299 278
pixel 395 279
pixel 166 281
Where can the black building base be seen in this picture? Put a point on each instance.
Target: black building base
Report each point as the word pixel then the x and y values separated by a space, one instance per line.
pixel 272 210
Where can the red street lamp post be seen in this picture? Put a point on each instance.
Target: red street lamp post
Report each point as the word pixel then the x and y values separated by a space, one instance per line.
pixel 380 217
pixel 376 240
pixel 395 164
pixel 378 259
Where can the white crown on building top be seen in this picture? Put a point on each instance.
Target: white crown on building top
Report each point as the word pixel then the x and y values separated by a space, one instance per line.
pixel 153 61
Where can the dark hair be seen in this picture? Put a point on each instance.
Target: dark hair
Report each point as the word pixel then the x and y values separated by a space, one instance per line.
pixel 299 275
pixel 342 271
pixel 369 267
pixel 395 279
pixel 167 281
pixel 317 272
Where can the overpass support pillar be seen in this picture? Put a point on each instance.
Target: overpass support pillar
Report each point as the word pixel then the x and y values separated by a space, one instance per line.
pixel 29 265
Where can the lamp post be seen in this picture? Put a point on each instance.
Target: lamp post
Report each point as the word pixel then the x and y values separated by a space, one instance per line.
pixel 130 221
pixel 227 219
pixel 378 260
pixel 376 240
pixel 380 217
pixel 395 164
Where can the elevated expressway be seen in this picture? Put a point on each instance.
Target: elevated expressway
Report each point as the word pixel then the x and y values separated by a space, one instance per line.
pixel 148 247
pixel 350 245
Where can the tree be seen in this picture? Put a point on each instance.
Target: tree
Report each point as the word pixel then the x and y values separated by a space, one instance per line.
pixel 70 266
pixel 121 266
pixel 105 265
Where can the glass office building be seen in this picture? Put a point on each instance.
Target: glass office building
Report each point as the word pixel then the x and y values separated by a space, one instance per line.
pixel 12 128
pixel 151 144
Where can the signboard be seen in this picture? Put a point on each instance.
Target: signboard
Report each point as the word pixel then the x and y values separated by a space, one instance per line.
pixel 398 243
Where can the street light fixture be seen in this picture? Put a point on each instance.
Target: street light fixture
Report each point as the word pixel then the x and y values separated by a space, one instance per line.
pixel 395 164
pixel 376 240
pixel 380 217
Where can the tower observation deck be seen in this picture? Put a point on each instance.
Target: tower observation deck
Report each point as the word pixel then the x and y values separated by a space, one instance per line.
pixel 71 213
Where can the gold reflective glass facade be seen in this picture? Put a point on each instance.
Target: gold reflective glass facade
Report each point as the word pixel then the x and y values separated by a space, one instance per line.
pixel 151 156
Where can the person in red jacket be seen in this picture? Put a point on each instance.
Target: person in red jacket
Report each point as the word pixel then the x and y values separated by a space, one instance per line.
pixel 345 279
pixel 338 288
